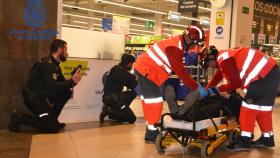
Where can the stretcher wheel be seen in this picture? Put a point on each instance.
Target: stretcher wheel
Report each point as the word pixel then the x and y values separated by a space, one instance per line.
pixel 205 152
pixel 232 135
pixel 160 145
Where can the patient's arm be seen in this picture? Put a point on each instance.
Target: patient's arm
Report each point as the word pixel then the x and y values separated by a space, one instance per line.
pixel 225 95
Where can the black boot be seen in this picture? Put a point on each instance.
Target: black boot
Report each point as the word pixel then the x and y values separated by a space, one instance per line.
pixel 62 125
pixel 14 122
pixel 264 142
pixel 151 135
pixel 240 144
pixel 104 113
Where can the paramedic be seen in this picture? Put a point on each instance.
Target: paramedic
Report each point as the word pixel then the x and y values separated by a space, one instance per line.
pixel 154 68
pixel 258 76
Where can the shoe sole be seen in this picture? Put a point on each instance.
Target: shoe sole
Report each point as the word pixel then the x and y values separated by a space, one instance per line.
pixel 262 146
pixel 239 149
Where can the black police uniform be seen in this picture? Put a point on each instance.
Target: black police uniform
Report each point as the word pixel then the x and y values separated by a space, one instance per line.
pixel 115 98
pixel 46 94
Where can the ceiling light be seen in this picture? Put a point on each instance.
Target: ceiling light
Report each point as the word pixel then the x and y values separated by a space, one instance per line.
pixel 80 16
pixel 132 7
pixel 81 22
pixel 142 31
pixel 103 12
pixel 75 26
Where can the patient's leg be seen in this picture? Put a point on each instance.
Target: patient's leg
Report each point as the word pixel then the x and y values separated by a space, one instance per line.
pixel 191 98
pixel 174 108
pixel 170 98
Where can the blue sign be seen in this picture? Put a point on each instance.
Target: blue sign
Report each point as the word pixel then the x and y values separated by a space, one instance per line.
pixel 107 24
pixel 219 30
pixel 35 14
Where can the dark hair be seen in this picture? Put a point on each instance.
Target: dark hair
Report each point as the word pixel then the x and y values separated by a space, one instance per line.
pixel 127 58
pixel 56 44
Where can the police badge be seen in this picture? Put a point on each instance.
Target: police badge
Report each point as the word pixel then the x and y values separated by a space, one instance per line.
pixel 34 13
pixel 55 76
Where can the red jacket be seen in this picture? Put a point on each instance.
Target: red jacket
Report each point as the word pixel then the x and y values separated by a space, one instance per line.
pixel 240 67
pixel 161 59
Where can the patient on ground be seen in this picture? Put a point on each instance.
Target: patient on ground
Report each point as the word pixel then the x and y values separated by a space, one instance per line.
pixel 196 109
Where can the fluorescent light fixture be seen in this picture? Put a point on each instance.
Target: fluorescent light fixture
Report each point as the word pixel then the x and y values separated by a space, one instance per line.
pixel 97 24
pixel 133 17
pixel 137 25
pixel 81 22
pixel 103 12
pixel 81 16
pixel 142 31
pixel 175 1
pixel 132 7
pixel 75 26
pixel 134 33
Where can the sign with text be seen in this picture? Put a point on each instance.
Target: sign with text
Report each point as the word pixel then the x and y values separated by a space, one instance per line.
pixel 121 24
pixel 188 6
pixel 107 24
pixel 269 27
pixel 175 16
pixel 267 9
pixel 149 25
pixel 220 18
pixel 261 38
pixel 256 25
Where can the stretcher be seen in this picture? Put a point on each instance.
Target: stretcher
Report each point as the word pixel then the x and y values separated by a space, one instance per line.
pixel 207 134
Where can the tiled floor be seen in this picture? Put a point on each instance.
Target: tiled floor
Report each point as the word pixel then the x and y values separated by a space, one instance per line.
pixel 90 140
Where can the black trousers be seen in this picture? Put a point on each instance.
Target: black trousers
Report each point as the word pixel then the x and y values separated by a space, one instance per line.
pixel 45 116
pixel 264 91
pixel 119 106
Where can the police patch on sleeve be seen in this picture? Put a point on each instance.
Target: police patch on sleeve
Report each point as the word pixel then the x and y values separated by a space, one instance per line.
pixel 54 76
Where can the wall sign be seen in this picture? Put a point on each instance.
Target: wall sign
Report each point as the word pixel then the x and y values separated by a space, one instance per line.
pixel 220 18
pixel 187 5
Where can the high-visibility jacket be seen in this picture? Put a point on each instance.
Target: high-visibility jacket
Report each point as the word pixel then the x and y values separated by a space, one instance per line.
pixel 240 67
pixel 161 59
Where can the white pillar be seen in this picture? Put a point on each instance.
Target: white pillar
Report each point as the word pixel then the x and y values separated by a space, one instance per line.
pixel 229 27
pixel 59 19
pixel 158 25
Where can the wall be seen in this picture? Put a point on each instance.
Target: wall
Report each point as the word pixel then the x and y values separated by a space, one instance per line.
pixel 93 44
pixel 18 55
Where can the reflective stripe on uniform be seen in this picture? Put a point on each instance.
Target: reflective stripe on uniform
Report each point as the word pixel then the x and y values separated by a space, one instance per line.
pixel 256 107
pixel 161 54
pixel 44 114
pixel 157 60
pixel 153 100
pixel 256 70
pixel 247 62
pixel 246 134
pixel 267 135
pixel 224 56
pixel 199 31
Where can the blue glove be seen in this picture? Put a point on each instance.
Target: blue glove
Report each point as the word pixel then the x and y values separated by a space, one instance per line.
pixel 202 91
pixel 213 91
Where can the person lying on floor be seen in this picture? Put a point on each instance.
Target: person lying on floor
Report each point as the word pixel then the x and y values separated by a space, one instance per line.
pixel 217 104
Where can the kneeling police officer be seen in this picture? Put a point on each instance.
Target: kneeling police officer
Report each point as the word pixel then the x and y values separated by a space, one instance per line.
pixel 47 92
pixel 116 101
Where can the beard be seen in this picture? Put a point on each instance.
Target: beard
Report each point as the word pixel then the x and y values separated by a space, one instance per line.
pixel 62 57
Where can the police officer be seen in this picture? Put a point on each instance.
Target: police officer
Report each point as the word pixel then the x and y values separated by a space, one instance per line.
pixel 116 101
pixel 47 92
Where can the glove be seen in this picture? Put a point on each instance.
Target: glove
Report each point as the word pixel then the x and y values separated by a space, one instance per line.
pixel 213 91
pixel 202 91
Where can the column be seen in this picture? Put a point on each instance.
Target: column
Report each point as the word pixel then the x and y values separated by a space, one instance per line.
pixel 231 25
